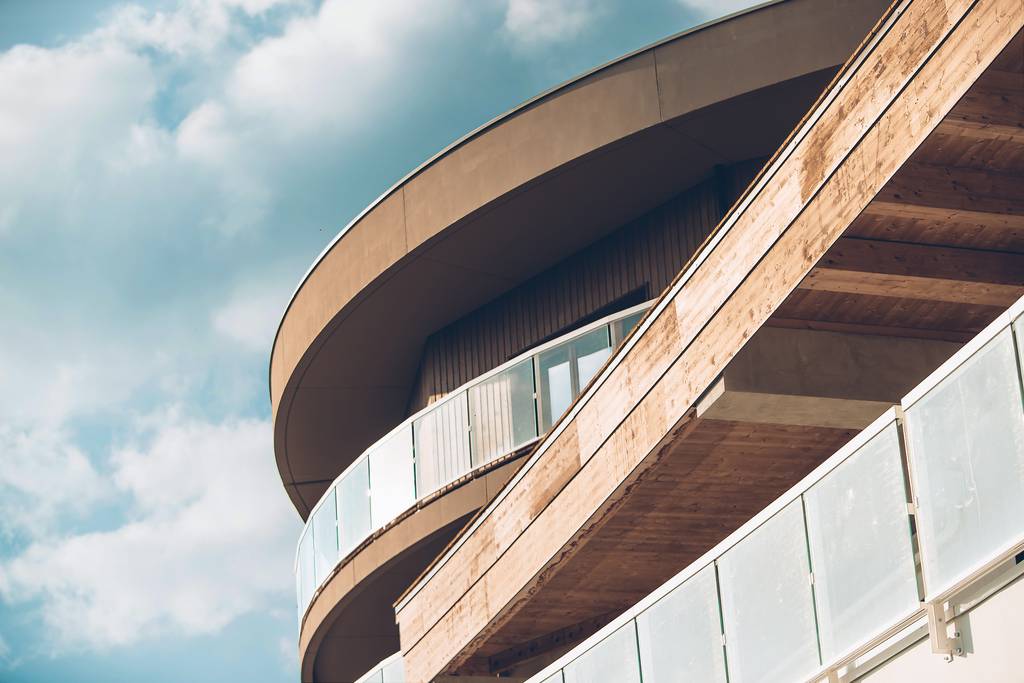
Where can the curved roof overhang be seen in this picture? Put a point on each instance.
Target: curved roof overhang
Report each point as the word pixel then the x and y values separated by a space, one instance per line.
pixel 522 193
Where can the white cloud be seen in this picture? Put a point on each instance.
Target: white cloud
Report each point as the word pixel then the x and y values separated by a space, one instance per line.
pixel 211 540
pixel 533 23
pixel 193 26
pixel 713 9
pixel 251 316
pixel 44 475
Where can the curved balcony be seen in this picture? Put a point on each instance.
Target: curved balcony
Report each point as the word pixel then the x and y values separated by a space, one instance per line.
pixel 522 194
pixel 496 414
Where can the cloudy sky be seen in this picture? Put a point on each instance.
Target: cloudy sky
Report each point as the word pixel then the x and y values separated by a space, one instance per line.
pixel 168 171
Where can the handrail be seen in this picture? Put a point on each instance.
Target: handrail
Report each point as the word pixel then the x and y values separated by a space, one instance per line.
pixel 824 618
pixel 492 415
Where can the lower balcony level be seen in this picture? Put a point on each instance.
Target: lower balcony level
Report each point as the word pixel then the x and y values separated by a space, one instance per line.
pixel 899 558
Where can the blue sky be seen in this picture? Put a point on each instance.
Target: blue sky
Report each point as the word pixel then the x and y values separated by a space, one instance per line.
pixel 168 171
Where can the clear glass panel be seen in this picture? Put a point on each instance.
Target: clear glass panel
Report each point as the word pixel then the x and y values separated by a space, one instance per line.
pixel 555 383
pixel 859 534
pixel 591 351
pixel 630 321
pixel 325 538
pixel 372 677
pixel 307 580
pixel 392 487
pixel 442 445
pixel 502 413
pixel 354 507
pixel 766 602
pixel 681 634
pixel 613 660
pixel 393 671
pixel 966 442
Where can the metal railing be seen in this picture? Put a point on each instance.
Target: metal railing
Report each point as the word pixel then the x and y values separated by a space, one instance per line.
pixel 925 503
pixel 491 416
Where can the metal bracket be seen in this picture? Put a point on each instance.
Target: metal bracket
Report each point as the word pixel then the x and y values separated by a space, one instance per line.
pixel 938 632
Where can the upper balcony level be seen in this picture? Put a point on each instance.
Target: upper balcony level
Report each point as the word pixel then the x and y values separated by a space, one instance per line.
pixel 521 194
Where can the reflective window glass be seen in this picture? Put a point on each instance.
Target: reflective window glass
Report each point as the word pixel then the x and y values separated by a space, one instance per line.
pixel 393 671
pixel 556 383
pixel 325 537
pixel 613 660
pixel 591 350
pixel 442 444
pixel 354 507
pixel 502 413
pixel 767 605
pixel 392 487
pixel 861 552
pixel 307 579
pixel 966 444
pixel 680 636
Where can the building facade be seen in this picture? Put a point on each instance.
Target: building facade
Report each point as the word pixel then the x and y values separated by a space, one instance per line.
pixel 703 366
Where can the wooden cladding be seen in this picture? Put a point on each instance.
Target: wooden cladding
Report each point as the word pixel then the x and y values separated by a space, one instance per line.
pixel 631 265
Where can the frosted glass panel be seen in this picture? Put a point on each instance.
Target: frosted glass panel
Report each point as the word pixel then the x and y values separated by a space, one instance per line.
pixel 354 507
pixel 442 445
pixel 392 489
pixel 681 635
pixel 613 660
pixel 591 351
pixel 554 678
pixel 556 383
pixel 393 671
pixel 859 534
pixel 325 537
pixel 966 439
pixel 766 602
pixel 307 580
pixel 502 413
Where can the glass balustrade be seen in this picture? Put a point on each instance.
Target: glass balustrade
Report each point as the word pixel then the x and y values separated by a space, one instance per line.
pixel 835 564
pixel 391 670
pixel 491 416
pixel 768 606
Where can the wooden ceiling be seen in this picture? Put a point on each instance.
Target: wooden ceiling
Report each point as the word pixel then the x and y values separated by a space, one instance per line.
pixel 938 254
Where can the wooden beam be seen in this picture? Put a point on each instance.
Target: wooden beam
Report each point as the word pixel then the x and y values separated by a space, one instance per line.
pixel 993 109
pixel 956 195
pixel 919 271
pixel 957 336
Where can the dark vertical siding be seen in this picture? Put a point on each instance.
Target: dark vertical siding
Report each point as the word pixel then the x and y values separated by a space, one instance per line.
pixel 641 256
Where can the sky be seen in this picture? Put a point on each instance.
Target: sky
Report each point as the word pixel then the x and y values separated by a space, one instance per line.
pixel 168 171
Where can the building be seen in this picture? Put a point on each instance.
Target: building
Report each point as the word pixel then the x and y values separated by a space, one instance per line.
pixel 708 360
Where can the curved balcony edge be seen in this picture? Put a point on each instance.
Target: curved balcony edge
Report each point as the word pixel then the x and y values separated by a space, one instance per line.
pixel 351 611
pixel 479 426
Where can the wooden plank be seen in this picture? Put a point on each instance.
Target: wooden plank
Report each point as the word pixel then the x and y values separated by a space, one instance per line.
pixel 925 260
pixel 993 109
pixel 958 195
pixel 911 287
pixel 725 301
